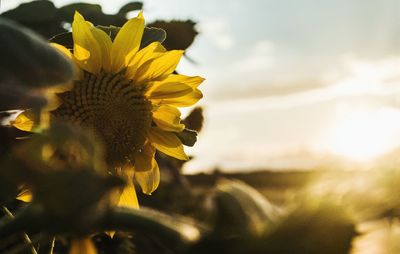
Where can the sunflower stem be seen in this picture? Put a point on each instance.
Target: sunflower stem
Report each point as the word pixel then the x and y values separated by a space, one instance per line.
pixel 25 236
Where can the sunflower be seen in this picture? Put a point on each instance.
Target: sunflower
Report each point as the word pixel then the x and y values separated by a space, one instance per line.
pixel 129 98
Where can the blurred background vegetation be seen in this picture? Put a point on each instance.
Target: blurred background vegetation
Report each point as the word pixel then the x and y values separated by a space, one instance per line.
pixel 320 211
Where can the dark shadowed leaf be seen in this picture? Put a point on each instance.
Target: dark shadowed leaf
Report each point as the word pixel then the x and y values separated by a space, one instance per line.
pixel 194 121
pixel 132 6
pixel 35 11
pixel 180 34
pixel 241 210
pixel 311 229
pixel 187 137
pixel 152 34
pixel 29 60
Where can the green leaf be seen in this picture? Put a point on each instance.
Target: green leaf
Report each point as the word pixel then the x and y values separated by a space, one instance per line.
pixel 194 121
pixel 176 232
pixel 132 6
pixel 311 228
pixel 29 60
pixel 181 34
pixel 152 34
pixel 241 210
pixel 35 11
pixel 187 137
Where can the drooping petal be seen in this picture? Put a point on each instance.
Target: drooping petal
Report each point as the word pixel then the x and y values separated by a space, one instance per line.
pixel 158 68
pixel 143 159
pixel 25 121
pixel 128 196
pixel 168 118
pixel 105 45
pixel 149 180
pixel 168 143
pixel 193 82
pixel 169 90
pixel 184 101
pixel 150 52
pixel 126 43
pixel 87 51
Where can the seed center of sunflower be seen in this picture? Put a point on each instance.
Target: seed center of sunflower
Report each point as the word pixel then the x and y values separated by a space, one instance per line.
pixel 113 108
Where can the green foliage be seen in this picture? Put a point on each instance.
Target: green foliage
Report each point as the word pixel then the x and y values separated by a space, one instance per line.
pixel 181 34
pixel 46 19
pixel 27 62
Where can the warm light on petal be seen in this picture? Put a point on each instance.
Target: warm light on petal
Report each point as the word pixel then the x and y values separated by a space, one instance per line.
pixel 105 45
pixel 158 68
pixel 149 180
pixel 170 90
pixel 168 143
pixel 126 43
pixel 24 121
pixel 87 51
pixel 184 101
pixel 168 118
pixel 150 52
pixel 193 82
pixel 128 196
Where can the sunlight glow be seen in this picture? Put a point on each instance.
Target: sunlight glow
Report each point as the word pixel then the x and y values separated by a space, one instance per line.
pixel 364 135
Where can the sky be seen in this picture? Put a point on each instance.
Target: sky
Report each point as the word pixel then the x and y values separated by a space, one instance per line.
pixel 289 83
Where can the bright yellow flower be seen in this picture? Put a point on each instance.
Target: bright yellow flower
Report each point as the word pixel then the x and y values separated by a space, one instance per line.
pixel 128 97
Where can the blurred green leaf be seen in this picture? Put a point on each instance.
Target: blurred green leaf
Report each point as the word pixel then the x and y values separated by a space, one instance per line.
pixel 187 137
pixel 241 210
pixel 28 60
pixel 35 11
pixel 194 121
pixel 173 231
pixel 311 229
pixel 181 34
pixel 132 6
pixel 152 34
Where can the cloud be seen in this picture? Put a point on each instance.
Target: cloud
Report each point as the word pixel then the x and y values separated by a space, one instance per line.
pixel 259 58
pixel 218 32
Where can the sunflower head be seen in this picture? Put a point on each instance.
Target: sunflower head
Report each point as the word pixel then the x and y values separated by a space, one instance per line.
pixel 127 96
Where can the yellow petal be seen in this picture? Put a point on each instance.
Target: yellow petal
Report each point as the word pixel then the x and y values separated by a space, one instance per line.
pixel 127 43
pixel 184 101
pixel 82 246
pixel 105 44
pixel 149 180
pixel 25 196
pixel 158 68
pixel 143 160
pixel 62 49
pixel 193 82
pixel 25 121
pixel 128 196
pixel 168 118
pixel 87 51
pixel 150 52
pixel 168 143
pixel 169 90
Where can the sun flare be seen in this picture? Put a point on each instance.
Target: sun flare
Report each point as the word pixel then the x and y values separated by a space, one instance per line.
pixel 364 135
